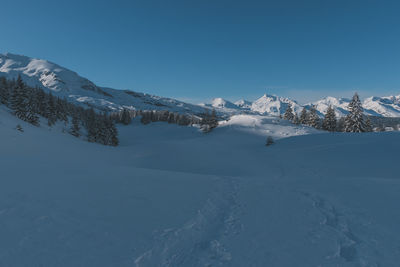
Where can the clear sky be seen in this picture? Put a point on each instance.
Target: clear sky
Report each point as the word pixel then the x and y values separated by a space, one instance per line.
pixel 199 49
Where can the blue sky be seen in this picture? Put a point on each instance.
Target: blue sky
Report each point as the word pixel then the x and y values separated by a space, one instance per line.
pixel 196 50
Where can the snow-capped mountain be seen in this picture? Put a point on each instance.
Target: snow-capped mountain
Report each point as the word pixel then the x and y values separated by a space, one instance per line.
pixel 374 106
pixel 273 105
pixel 222 103
pixel 388 106
pixel 63 82
pixel 244 104
pixel 339 104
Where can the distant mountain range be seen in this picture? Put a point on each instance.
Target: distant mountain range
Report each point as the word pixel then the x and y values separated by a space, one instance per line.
pixel 66 83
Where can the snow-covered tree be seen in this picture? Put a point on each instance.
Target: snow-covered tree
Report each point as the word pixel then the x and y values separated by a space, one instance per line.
pixel 289 113
pixel 296 119
pixel 303 116
pixel 313 119
pixel 329 122
pixel 354 121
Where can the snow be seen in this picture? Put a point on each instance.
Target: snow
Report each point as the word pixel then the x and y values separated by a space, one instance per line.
pixel 63 82
pixel 273 105
pixel 243 104
pixel 383 106
pixel 222 103
pixel 172 196
pixel 339 104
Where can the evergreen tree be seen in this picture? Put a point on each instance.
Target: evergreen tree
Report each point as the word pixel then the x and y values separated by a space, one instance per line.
pixel 368 125
pixel 213 119
pixel 91 125
pixel 50 112
pixel 4 91
pixel 289 113
pixel 126 117
pixel 303 116
pixel 75 128
pixel 329 122
pixel 19 99
pixel 354 121
pixel 313 119
pixel 340 124
pixel 209 122
pixel 270 141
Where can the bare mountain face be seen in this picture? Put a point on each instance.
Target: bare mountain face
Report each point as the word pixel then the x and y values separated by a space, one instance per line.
pixel 63 82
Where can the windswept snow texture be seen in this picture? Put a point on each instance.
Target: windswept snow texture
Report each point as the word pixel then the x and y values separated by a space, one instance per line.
pixel 173 196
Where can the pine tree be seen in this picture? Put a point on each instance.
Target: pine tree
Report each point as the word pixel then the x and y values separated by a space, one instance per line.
pixel 289 113
pixel 340 124
pixel 213 119
pixel 303 116
pixel 209 122
pixel 329 122
pixel 125 117
pixel 4 91
pixel 91 125
pixel 313 119
pixel 112 133
pixel 75 128
pixel 50 112
pixel 270 141
pixel 19 99
pixel 296 119
pixel 368 125
pixel 354 121
pixel 31 107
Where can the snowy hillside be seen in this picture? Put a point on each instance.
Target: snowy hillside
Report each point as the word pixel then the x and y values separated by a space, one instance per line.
pixel 374 106
pixel 244 104
pixel 222 199
pixel 383 106
pixel 66 83
pixel 339 104
pixel 273 105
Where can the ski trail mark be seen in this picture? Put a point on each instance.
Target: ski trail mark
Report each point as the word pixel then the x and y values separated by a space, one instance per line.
pixel 199 242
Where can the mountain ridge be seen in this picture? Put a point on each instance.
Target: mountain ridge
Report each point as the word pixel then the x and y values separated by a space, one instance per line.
pixel 66 83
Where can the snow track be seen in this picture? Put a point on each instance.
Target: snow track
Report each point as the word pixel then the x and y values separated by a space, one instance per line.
pixel 353 249
pixel 200 241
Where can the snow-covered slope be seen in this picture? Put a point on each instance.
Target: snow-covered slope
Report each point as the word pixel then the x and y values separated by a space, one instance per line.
pixel 383 106
pixel 222 199
pixel 66 83
pixel 375 106
pixel 222 103
pixel 244 104
pixel 273 105
pixel 339 104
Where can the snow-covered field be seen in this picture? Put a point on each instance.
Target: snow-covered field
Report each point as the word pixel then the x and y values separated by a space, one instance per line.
pixel 172 196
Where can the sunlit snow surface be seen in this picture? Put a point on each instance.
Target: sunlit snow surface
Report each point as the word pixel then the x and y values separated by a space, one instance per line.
pixel 172 196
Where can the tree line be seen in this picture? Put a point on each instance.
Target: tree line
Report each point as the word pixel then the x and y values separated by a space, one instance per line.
pixel 29 104
pixel 354 121
pixel 207 121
